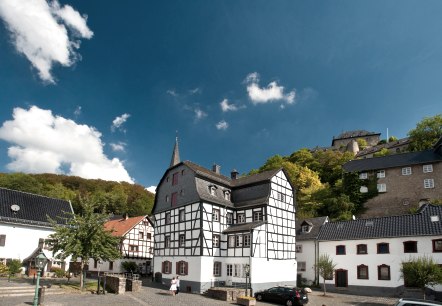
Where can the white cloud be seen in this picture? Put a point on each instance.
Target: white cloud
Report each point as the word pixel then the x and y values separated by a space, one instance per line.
pixel 77 111
pixel 272 93
pixel 42 142
pixel 118 122
pixel 199 114
pixel 225 106
pixel 152 189
pixel 172 92
pixel 222 125
pixel 40 32
pixel 195 91
pixel 118 147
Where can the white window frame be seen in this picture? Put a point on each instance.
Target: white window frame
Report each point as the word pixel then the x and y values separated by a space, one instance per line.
pixel 167 241
pixel 406 171
pixel 363 175
pixel 305 228
pixel 428 183
pixel 216 241
pixel 382 187
pixel 257 215
pixel 215 214
pixel 281 196
pixel 227 195
pixel 238 241
pixel 229 270
pixel 232 241
pixel 217 268
pixel 246 240
pixel 241 218
pixel 229 218
pixel 380 174
pixel 182 239
pixel 302 266
pixel 181 215
pixel 237 270
pixel 427 168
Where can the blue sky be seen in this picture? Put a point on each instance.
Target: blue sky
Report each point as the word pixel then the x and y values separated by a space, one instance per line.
pixel 99 88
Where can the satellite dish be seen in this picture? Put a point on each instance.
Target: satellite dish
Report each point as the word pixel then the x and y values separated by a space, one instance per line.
pixel 15 208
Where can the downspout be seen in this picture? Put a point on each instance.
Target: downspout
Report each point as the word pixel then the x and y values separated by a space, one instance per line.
pixel 250 263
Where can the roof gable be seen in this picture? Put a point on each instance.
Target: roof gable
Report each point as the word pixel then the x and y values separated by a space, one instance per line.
pixel 121 227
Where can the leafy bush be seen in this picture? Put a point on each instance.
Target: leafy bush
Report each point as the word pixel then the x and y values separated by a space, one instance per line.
pixel 58 272
pixel 14 266
pixel 129 266
pixel 4 270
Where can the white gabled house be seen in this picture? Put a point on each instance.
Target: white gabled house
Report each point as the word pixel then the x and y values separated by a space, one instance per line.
pixel 24 227
pixel 209 228
pixel 136 245
pixel 368 252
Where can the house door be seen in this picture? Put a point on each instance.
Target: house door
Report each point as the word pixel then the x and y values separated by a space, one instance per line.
pixel 341 278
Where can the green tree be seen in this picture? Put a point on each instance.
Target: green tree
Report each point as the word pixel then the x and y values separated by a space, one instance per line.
pixel 381 152
pixel 362 143
pixel 426 133
pixel 325 268
pixel 83 238
pixel 129 266
pixel 14 266
pixel 21 182
pixel 421 272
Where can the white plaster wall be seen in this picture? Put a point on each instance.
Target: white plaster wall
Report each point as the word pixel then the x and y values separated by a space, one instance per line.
pixel 351 260
pixel 308 256
pixel 274 271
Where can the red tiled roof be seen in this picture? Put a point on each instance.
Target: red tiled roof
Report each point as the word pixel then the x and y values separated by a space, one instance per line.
pixel 121 226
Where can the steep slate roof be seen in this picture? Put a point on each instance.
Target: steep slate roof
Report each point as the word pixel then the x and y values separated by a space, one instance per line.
pixel 34 209
pixel 392 161
pixel 122 226
pixel 418 224
pixel 243 227
pixel 316 224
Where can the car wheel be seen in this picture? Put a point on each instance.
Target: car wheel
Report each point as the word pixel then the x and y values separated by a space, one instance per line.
pixel 259 297
pixel 289 303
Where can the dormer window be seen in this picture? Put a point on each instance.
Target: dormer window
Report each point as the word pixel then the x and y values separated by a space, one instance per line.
pixel 226 195
pixel 212 190
pixel 305 228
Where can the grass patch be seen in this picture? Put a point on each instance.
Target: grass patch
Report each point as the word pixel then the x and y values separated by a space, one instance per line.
pixel 88 286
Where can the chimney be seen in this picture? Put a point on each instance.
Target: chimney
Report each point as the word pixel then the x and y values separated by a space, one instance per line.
pixel 234 174
pixel 216 168
pixel 126 216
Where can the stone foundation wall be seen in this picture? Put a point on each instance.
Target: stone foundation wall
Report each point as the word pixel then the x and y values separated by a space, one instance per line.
pixel 225 294
pixel 116 284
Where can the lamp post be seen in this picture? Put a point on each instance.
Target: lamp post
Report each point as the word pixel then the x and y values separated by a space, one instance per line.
pixel 247 272
pixel 40 262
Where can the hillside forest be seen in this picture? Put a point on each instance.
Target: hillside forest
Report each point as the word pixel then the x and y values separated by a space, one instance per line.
pixel 322 187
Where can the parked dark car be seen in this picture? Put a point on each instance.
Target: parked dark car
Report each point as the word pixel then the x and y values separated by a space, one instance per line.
pixel 285 295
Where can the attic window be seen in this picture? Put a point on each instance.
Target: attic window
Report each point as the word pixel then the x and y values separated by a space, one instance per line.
pixel 434 218
pixel 227 195
pixel 212 189
pixel 305 228
pixel 369 223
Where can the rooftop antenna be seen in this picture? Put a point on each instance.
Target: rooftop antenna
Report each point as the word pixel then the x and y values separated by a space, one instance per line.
pixel 387 135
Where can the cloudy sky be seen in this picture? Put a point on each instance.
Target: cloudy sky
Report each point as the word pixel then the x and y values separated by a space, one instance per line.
pixel 100 89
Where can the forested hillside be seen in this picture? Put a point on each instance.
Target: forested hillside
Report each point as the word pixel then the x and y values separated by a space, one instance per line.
pixel 108 196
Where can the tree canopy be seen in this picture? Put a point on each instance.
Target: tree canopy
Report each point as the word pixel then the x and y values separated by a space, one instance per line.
pixel 421 272
pixel 426 133
pixel 325 267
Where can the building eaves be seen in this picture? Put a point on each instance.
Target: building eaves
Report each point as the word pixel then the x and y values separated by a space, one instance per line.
pixel 243 227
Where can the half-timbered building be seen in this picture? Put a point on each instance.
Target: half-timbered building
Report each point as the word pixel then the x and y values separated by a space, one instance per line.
pixel 211 229
pixel 136 244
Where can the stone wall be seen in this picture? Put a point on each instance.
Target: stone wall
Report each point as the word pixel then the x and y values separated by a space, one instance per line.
pixel 225 294
pixel 133 285
pixel 116 284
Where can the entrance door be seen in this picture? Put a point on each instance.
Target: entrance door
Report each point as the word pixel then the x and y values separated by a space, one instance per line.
pixel 341 278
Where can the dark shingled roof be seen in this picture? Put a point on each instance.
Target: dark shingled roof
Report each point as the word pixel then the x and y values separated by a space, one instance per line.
pixel 356 133
pixel 315 223
pixel 243 227
pixel 419 224
pixel 34 209
pixel 392 161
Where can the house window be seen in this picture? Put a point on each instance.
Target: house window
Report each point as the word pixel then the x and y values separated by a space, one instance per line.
pixel 363 175
pixel 383 248
pixel 427 168
pixel 227 195
pixel 182 240
pixel 215 241
pixel 215 215
pixel 241 218
pixel 181 216
pixel 212 189
pixel 217 268
pixel 362 272
pixel 167 198
pixel 247 240
pixel 182 267
pixel 141 235
pixel 95 263
pixel 281 197
pixel 301 266
pixel 2 240
pixel 305 228
pixel 167 241
pixel 175 178
pixel 111 265
pixel 168 219
pixel 406 171
pixel 380 174
pixel 231 241
pixel 361 249
pixel 257 216
pixel 229 218
pixel 229 270
pixel 166 267
pixel 428 183
pixel 133 248
pixel 237 270
pixel 382 187
pixel 437 245
pixel 298 248
pixel 148 236
pixel 384 272
pixel 410 246
pixel 340 250
pixel 174 199
pixel 238 240
pixel 183 172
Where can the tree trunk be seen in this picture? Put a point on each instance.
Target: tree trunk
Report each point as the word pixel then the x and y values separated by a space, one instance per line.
pixel 324 287
pixel 423 291
pixel 81 275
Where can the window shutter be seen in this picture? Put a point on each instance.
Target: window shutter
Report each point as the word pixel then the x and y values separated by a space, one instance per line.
pixel 162 267
pixel 177 267
pixel 186 268
pixel 2 240
pixel 170 267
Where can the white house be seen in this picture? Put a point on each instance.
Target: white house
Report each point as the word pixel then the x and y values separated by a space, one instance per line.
pixel 210 229
pixel 368 252
pixel 307 249
pixel 24 227
pixel 136 244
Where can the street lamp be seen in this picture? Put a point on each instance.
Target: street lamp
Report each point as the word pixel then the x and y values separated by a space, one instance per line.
pixel 247 272
pixel 40 263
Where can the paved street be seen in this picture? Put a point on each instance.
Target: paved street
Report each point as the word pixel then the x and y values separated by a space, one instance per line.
pixel 154 296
